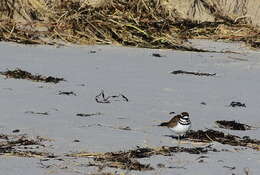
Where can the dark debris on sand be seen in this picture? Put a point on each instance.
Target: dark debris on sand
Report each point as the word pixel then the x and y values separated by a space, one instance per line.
pixel 16 131
pixel 101 98
pixel 21 74
pixel 128 159
pixel 22 146
pixel 192 73
pixel 157 55
pixel 217 136
pixel 233 125
pixel 36 113
pixel 237 104
pixel 88 114
pixel 67 93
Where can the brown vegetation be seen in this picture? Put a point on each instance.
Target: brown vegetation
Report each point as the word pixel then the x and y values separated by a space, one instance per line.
pixel 128 159
pixel 211 135
pixel 138 23
pixel 22 146
pixel 233 125
pixel 21 74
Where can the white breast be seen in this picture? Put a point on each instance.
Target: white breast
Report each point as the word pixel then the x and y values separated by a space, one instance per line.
pixel 181 129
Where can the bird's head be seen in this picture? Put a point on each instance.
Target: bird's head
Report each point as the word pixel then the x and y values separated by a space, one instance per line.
pixel 185 115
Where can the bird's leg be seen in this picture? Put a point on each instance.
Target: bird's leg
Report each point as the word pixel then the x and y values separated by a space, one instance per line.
pixel 178 140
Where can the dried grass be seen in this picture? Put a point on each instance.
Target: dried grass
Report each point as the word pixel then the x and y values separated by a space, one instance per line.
pixel 136 23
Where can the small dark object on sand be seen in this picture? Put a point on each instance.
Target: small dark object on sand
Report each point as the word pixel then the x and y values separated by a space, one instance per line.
pixel 21 74
pixel 203 103
pixel 101 98
pixel 50 79
pixel 230 167
pixel 126 128
pixel 237 104
pixel 67 93
pixel 192 73
pixel 157 55
pixel 233 125
pixel 16 131
pixel 88 115
pixel 38 113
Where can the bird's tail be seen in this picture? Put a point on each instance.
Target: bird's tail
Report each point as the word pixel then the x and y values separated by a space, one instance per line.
pixel 163 124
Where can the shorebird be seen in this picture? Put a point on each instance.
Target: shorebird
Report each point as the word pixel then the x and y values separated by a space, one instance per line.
pixel 179 124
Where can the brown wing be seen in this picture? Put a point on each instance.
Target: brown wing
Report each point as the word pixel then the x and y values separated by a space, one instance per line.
pixel 172 122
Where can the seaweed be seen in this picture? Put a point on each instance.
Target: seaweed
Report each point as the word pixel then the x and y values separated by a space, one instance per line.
pixel 22 146
pixel 88 115
pixel 37 113
pixel 233 125
pixel 237 104
pixel 192 73
pixel 211 135
pixel 67 93
pixel 16 131
pixel 128 159
pixel 21 74
pixel 157 55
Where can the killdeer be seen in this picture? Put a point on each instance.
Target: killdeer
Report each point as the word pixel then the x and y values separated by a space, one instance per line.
pixel 179 124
